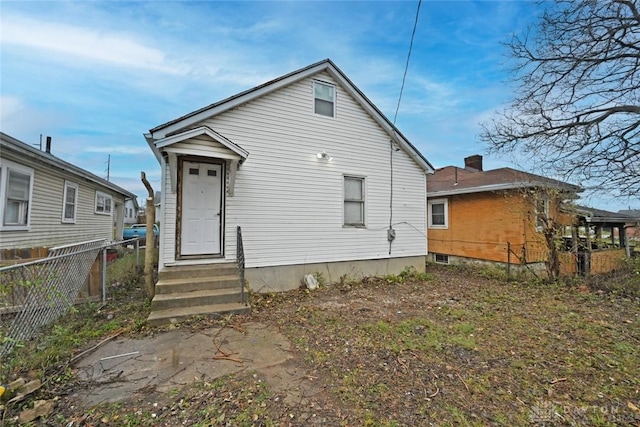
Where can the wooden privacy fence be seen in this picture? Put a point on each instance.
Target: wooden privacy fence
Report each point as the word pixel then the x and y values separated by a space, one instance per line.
pixel 572 263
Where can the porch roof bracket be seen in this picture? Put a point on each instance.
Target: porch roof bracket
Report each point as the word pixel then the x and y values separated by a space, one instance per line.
pixel 173 171
pixel 233 168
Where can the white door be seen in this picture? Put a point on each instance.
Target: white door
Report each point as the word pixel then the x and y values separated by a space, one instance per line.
pixel 201 208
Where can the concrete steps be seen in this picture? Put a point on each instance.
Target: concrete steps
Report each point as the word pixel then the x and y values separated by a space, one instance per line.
pixel 186 291
pixel 174 315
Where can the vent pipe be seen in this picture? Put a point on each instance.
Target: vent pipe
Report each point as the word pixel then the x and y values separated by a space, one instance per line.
pixel 48 146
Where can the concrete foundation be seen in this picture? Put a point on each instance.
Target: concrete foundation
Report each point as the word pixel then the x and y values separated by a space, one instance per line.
pixel 517 269
pixel 287 277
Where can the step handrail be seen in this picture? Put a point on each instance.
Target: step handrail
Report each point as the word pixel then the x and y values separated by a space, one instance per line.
pixel 240 261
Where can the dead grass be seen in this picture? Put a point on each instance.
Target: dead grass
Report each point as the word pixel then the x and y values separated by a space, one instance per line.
pixel 451 348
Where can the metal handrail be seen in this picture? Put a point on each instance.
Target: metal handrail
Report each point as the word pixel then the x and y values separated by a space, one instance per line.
pixel 240 260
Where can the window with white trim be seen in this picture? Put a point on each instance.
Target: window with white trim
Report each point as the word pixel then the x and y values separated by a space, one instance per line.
pixel 354 201
pixel 16 187
pixel 324 99
pixel 542 212
pixel 103 203
pixel 438 211
pixel 69 202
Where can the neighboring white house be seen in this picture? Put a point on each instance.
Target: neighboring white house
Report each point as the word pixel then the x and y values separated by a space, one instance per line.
pixel 131 208
pixel 318 179
pixel 46 202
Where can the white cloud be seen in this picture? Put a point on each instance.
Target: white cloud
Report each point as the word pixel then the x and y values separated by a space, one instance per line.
pixel 115 49
pixel 119 149
pixel 9 105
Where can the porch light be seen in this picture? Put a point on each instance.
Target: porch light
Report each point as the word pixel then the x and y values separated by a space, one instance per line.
pixel 324 156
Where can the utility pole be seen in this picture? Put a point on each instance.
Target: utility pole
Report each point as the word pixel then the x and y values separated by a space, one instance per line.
pixel 108 165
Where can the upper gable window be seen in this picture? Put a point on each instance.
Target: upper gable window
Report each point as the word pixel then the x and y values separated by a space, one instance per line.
pixel 324 99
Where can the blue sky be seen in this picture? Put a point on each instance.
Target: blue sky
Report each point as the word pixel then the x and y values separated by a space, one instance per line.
pixel 95 76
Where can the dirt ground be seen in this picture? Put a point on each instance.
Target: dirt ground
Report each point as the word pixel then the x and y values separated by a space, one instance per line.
pixel 456 349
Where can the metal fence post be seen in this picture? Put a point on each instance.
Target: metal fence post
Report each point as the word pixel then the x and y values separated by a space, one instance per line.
pixel 137 246
pixel 104 275
pixel 508 260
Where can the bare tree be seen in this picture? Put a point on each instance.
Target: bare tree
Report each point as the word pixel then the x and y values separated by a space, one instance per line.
pixel 576 109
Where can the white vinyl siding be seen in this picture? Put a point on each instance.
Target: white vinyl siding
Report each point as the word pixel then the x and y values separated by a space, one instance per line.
pixel 69 202
pixel 290 204
pixel 130 212
pixel 45 228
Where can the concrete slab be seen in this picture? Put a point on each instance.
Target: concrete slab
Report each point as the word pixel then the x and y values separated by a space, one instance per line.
pixel 173 359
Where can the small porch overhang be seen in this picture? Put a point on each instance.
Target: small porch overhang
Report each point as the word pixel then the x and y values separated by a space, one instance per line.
pixel 171 148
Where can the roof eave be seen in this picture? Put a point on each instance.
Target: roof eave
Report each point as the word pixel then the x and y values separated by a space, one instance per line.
pixel 501 187
pixel 162 131
pixel 48 158
pixel 202 130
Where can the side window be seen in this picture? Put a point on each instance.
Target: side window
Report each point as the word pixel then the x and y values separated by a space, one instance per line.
pixel 324 99
pixel 438 213
pixel 354 202
pixel 103 203
pixel 69 202
pixel 542 212
pixel 15 195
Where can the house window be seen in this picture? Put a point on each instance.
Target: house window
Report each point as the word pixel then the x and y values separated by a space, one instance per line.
pixel 324 99
pixel 15 194
pixel 441 258
pixel 438 213
pixel 70 202
pixel 353 201
pixel 542 212
pixel 103 203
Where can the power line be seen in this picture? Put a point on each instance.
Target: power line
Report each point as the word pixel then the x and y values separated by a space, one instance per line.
pixel 391 234
pixel 406 67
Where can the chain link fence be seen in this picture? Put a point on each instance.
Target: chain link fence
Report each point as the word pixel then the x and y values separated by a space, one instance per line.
pixel 34 294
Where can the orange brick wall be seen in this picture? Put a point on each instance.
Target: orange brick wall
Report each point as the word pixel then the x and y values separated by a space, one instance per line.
pixel 481 224
pixel 606 260
pixel 568 263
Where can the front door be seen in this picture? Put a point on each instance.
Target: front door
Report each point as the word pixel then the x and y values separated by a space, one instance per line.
pixel 201 208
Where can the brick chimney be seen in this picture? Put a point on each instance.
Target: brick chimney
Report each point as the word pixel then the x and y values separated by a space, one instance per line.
pixel 473 163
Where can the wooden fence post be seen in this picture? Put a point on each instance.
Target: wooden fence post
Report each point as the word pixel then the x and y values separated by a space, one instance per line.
pixel 149 252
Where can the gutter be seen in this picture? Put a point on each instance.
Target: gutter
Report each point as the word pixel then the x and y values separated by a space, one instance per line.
pixel 496 187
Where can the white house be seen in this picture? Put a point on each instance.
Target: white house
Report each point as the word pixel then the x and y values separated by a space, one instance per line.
pixel 131 209
pixel 46 202
pixel 318 179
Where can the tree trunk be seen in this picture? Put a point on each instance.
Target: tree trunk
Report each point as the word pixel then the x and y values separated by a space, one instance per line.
pixel 149 252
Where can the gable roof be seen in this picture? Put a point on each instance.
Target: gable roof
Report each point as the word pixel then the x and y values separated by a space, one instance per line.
pixel 452 180
pixel 199 131
pixel 195 117
pixel 25 150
